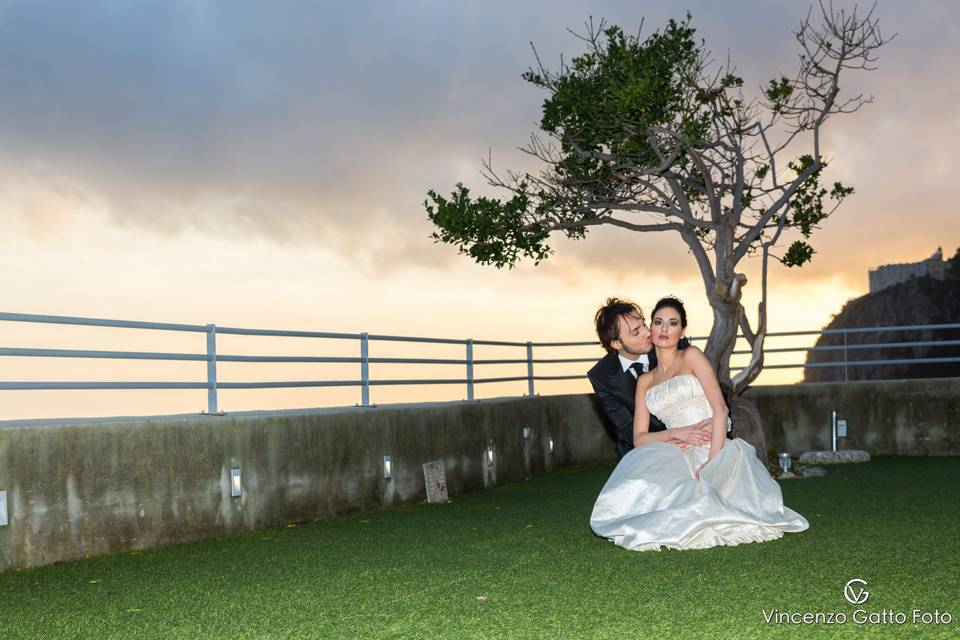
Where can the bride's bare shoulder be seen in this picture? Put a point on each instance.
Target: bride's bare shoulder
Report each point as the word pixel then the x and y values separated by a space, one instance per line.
pixel 645 380
pixel 692 355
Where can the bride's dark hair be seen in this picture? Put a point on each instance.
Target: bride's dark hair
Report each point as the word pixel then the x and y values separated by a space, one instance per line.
pixel 677 305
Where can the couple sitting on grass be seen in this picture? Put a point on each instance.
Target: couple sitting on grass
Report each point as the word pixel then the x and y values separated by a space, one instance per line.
pixel 680 482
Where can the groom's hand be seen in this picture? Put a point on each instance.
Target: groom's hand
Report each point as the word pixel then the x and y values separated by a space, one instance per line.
pixel 694 435
pixel 700 433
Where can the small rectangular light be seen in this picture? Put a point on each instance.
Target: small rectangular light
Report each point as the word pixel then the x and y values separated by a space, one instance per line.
pixel 841 428
pixel 526 433
pixel 491 455
pixel 387 467
pixel 550 445
pixel 236 489
pixel 3 509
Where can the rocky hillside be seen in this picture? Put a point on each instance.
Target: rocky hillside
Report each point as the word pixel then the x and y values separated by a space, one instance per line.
pixel 915 302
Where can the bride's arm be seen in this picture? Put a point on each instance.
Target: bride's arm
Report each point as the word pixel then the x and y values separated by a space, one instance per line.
pixel 641 419
pixel 707 377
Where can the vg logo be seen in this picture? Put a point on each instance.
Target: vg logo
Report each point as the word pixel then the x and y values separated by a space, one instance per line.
pixel 854 591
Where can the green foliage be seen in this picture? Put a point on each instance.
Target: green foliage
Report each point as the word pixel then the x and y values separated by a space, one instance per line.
pixel 797 254
pixel 600 108
pixel 779 92
pixel 625 82
pixel 807 209
pixel 616 111
pixel 488 230
pixel 807 203
pixel 607 100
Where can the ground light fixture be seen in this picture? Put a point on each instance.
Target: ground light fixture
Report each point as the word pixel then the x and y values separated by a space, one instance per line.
pixel 235 488
pixel 784 461
pixel 526 433
pixel 491 454
pixel 550 445
pixel 387 467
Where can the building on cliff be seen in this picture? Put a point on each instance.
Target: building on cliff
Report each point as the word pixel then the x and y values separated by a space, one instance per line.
pixel 890 274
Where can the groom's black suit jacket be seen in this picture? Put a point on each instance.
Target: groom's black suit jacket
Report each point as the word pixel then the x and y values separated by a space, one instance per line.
pixel 616 391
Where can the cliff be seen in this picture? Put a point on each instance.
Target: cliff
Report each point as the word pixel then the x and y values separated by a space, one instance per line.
pixel 915 302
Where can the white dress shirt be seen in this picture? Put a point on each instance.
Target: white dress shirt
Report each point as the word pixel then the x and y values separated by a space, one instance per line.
pixel 644 361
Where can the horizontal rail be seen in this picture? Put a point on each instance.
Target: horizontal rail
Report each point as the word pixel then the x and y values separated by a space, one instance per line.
pixel 912 327
pixel 342 360
pixel 383 338
pixel 781 334
pixel 288 333
pixel 319 359
pixel 861 363
pixel 81 353
pixel 101 322
pixel 288 385
pixel 507 379
pixel 570 344
pixel 445 381
pixel 535 360
pixel 850 347
pixel 49 386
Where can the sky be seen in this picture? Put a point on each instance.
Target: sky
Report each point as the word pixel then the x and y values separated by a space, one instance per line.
pixel 265 165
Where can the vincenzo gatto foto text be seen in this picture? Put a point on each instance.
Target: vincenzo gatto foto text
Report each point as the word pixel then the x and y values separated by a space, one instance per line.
pixel 858 616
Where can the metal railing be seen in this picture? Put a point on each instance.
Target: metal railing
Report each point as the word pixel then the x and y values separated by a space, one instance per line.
pixel 212 384
pixel 845 348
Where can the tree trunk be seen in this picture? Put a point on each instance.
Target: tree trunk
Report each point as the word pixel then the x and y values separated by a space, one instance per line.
pixel 747 423
pixel 723 337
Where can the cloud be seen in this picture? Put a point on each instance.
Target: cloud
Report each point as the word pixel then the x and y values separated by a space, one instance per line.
pixel 318 125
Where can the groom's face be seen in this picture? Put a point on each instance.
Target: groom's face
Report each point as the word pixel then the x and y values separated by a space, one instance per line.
pixel 634 337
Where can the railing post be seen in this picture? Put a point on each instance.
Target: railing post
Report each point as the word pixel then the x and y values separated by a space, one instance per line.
pixel 470 369
pixel 530 369
pixel 365 369
pixel 211 369
pixel 846 377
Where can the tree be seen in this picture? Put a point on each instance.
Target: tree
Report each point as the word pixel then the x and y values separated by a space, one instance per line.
pixel 646 135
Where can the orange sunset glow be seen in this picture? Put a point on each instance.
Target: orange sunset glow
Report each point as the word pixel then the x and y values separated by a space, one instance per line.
pixel 266 168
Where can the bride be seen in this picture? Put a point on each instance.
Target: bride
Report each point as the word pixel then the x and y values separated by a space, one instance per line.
pixel 698 497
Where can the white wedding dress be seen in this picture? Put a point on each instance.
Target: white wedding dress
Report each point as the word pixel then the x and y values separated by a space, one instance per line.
pixel 653 499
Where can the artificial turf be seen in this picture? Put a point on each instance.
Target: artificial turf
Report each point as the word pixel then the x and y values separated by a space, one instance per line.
pixel 519 561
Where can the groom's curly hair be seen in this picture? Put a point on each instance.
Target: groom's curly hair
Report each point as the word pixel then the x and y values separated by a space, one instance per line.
pixel 607 320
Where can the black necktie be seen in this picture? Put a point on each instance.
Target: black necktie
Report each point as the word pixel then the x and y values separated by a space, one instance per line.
pixel 638 368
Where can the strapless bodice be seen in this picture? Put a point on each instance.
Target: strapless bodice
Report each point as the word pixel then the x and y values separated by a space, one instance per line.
pixel 679 401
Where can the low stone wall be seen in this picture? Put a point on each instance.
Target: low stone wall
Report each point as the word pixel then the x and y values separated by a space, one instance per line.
pixel 87 487
pixel 92 487
pixel 884 417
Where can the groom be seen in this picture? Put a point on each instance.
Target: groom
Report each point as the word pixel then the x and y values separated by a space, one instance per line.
pixel 624 334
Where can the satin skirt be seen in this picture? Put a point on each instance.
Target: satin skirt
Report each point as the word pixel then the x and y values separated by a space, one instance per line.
pixel 653 500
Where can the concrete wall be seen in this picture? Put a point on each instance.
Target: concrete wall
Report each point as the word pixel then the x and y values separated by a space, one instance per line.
pixel 87 487
pixel 884 417
pixel 100 486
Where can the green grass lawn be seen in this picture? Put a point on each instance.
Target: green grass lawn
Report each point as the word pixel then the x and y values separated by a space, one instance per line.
pixel 519 561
